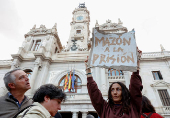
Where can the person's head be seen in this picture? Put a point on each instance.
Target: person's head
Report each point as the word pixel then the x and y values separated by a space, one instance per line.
pixel 89 116
pixel 50 96
pixel 147 106
pixel 16 79
pixel 119 94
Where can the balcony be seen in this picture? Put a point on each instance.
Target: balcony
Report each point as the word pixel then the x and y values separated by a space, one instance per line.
pixel 78 36
pixel 119 78
pixel 164 110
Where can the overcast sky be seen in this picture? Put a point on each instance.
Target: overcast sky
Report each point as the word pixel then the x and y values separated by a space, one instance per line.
pixel 149 18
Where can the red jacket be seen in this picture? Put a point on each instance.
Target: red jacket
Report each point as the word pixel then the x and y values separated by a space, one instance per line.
pixel 154 115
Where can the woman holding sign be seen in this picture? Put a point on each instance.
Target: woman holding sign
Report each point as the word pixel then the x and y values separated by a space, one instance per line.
pixel 122 103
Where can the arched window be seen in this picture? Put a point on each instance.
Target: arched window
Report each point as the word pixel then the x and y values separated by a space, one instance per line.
pixel 28 72
pixel 113 72
pixel 77 84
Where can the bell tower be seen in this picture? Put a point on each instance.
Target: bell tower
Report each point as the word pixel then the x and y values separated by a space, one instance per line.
pixel 79 33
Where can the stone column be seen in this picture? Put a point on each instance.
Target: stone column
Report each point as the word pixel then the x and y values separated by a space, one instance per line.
pixel 96 76
pixel 42 75
pixel 50 46
pixel 74 114
pixel 37 64
pixel 103 81
pixel 84 114
pixel 127 78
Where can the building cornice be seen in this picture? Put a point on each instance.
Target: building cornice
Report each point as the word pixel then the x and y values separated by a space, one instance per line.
pixel 155 55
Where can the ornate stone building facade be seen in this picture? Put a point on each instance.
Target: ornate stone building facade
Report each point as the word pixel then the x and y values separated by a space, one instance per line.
pixel 45 60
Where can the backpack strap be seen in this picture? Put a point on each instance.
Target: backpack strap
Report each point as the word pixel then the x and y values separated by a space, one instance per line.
pixel 23 110
pixel 146 115
pixel 150 115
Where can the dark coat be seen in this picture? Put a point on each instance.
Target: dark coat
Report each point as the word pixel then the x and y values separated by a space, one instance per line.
pixel 8 107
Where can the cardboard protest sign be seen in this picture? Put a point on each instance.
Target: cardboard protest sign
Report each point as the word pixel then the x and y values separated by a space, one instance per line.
pixel 113 51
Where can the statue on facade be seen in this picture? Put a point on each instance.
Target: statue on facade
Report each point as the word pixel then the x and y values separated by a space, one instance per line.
pixel 119 21
pixel 96 25
pixel 44 42
pixel 55 26
pixel 67 48
pixel 34 27
pixel 24 43
pixel 162 48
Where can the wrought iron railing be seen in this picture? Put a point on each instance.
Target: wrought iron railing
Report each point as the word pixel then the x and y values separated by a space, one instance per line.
pixel 120 77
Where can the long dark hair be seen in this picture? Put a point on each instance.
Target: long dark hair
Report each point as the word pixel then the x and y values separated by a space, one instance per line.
pixel 147 106
pixel 125 97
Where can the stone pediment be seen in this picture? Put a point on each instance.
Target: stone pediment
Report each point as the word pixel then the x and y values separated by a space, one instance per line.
pixel 160 84
pixel 110 27
pixel 41 30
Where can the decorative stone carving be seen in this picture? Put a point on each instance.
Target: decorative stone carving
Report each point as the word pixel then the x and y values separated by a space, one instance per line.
pixel 44 42
pixel 24 43
pixel 34 27
pixel 96 25
pixel 28 39
pixel 38 62
pixel 52 75
pixel 119 21
pixel 79 27
pixel 67 48
pixel 80 48
pixel 41 30
pixel 161 84
pixel 42 26
pixel 162 48
pixel 15 63
pixel 110 27
pixel 47 37
pixel 55 26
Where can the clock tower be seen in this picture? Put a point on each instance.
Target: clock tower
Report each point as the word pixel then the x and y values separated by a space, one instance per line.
pixel 79 33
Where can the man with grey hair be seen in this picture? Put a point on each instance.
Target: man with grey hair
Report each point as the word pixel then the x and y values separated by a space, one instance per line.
pixel 17 83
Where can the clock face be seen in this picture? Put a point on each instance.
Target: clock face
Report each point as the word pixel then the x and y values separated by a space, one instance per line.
pixel 80 18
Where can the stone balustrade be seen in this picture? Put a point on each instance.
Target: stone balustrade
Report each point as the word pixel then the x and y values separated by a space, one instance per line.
pixel 77 96
pixel 163 110
pixel 2 62
pixel 155 54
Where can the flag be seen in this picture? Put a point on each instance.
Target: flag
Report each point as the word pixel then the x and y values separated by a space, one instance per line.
pixel 66 80
pixel 73 78
pixel 69 84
